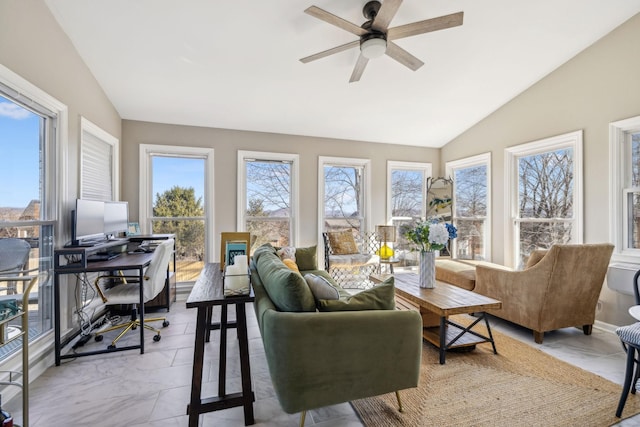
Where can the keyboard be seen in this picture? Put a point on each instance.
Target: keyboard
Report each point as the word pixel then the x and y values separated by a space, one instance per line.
pixel 102 257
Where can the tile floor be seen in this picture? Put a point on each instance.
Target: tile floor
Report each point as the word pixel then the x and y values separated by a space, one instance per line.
pixel 152 389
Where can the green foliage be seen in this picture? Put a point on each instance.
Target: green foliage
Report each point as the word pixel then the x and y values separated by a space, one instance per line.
pixel 179 202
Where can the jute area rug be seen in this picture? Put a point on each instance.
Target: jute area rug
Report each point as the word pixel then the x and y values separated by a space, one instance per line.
pixel 520 386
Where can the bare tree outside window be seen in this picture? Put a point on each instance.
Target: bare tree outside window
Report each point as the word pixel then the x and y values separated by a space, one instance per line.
pixel 407 206
pixel 470 216
pixel 343 193
pixel 268 210
pixel 545 200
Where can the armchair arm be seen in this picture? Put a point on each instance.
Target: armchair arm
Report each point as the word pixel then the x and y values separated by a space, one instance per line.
pixel 527 287
pixel 320 359
pixel 522 292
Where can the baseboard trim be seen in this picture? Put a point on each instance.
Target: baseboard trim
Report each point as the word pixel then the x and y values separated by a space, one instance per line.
pixel 607 327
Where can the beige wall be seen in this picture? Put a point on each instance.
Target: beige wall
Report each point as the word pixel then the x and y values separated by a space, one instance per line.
pixel 33 46
pixel 598 86
pixel 226 144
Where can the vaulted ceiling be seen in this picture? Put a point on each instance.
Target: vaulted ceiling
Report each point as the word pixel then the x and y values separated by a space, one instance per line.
pixel 235 64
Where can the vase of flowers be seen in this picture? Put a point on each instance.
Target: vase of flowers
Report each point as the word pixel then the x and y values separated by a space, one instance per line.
pixel 430 236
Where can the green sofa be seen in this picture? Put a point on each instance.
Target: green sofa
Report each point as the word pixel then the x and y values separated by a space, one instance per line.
pixel 319 358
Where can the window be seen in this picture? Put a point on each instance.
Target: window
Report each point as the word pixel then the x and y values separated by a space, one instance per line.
pixel 624 146
pixel 544 187
pixel 267 197
pixel 406 202
pixel 176 196
pixel 344 201
pixel 471 203
pixel 99 171
pixel 32 123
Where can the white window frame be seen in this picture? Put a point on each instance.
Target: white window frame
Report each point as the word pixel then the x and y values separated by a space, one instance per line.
pixel 58 207
pixel 393 165
pixel 619 153
pixel 243 156
pixel 111 190
pixel 147 151
pixel 571 140
pixel 469 162
pixel 365 164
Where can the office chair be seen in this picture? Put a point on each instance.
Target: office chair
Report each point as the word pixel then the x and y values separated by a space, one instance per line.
pixel 14 256
pixel 128 292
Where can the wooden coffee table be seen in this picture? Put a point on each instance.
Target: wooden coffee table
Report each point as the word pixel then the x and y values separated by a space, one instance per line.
pixel 437 304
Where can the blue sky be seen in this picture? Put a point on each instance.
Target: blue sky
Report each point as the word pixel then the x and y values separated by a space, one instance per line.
pixel 19 151
pixel 19 145
pixel 171 171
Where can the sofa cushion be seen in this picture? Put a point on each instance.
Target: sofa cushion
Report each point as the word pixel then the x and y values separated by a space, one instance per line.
pixel 291 264
pixel 286 288
pixel 353 259
pixel 321 288
pixel 380 297
pixel 535 257
pixel 342 242
pixel 306 258
pixel 287 252
pixel 457 273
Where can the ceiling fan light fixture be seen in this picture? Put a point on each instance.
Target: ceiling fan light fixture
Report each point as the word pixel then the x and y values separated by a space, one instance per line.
pixel 373 47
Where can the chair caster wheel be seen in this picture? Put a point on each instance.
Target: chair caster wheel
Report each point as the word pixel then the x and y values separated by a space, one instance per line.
pixel 165 323
pixel 98 338
pixel 134 327
pixel 111 347
pixel 156 338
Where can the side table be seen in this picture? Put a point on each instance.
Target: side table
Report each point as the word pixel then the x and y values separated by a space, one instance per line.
pixel 389 262
pixel 206 293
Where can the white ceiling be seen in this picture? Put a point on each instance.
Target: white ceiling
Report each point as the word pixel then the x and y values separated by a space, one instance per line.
pixel 235 64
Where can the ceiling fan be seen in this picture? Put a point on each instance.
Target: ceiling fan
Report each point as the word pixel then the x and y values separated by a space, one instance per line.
pixel 376 39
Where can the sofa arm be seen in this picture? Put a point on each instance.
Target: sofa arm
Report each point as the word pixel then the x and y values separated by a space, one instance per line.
pixel 321 359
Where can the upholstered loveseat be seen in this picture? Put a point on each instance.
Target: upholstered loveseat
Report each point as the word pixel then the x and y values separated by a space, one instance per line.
pixel 319 358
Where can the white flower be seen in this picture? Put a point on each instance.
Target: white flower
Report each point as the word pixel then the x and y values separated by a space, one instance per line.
pixel 438 234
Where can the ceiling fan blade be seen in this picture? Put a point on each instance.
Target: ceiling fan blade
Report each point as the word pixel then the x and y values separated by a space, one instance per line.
pixel 359 68
pixel 426 26
pixel 385 15
pixel 402 56
pixel 330 51
pixel 335 20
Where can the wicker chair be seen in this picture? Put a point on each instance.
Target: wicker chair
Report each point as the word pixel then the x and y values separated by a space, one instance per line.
pixel 352 270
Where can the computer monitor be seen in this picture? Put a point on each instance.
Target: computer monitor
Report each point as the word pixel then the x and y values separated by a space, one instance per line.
pixel 88 220
pixel 116 218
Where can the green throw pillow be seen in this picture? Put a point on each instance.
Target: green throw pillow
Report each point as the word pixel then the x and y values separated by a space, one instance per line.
pixel 381 297
pixel 286 288
pixel 306 258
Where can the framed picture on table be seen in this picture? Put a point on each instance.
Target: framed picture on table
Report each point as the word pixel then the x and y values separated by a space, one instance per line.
pixel 232 244
pixel 133 229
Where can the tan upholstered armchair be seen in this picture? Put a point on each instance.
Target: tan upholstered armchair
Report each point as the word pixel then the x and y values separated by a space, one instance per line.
pixel 558 288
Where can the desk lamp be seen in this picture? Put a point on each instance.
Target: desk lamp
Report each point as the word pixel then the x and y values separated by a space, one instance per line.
pixel 386 233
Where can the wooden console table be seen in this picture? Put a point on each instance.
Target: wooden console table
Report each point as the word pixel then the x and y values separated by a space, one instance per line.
pixel 437 304
pixel 207 293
